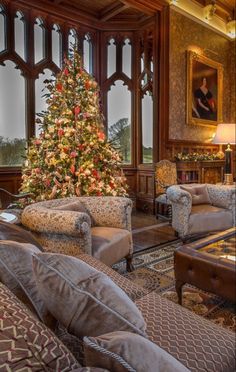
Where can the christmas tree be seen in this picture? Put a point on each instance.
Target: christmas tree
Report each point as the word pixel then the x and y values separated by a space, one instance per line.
pixel 71 156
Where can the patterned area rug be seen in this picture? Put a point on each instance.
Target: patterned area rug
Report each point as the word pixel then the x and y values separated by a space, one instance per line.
pixel 154 271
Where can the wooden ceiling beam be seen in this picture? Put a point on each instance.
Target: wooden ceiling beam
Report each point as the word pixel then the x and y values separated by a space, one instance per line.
pixel 56 2
pixel 112 10
pixel 149 7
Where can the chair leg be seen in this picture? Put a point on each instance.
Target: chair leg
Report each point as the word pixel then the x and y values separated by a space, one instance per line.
pixel 129 264
pixel 178 286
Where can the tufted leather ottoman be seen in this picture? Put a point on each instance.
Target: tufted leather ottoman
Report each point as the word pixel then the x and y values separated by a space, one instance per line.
pixel 208 264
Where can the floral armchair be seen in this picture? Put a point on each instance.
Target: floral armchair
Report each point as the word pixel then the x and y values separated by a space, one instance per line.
pixel 98 226
pixel 188 219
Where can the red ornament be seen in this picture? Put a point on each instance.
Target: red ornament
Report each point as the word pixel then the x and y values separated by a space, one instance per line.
pixel 37 142
pixel 99 193
pixel 66 71
pixel 111 184
pixel 59 87
pixel 101 135
pixel 88 84
pixel 47 183
pixel 80 147
pixel 96 174
pixel 77 110
pixel 72 169
pixel 73 154
pixel 60 132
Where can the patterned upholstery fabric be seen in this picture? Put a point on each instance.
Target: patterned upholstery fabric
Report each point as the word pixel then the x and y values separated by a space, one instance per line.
pixel 26 343
pixel 69 232
pixel 181 201
pixel 194 341
pixel 165 175
pixel 130 288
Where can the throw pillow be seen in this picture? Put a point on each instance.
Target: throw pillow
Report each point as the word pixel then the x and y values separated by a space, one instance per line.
pixel 199 194
pixel 18 234
pixel 84 300
pixel 26 343
pixel 125 351
pixel 75 206
pixel 16 272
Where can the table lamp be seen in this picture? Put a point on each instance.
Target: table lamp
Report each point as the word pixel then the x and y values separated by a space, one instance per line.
pixel 226 135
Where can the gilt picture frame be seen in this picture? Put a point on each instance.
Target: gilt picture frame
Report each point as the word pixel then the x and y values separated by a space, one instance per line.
pixel 204 90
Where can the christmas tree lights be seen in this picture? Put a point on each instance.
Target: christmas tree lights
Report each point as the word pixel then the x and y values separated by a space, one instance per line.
pixel 71 156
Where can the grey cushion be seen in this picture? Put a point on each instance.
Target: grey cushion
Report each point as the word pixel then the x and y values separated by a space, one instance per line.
pixel 198 193
pixel 16 272
pixel 125 351
pixel 84 300
pixel 110 244
pixel 15 233
pixel 207 217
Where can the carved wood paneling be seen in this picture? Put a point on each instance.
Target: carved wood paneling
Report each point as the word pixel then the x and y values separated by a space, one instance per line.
pixel 10 180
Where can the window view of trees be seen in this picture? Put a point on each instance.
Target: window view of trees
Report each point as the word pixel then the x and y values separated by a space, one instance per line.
pixel 119 119
pixel 12 151
pixel 12 115
pixel 120 138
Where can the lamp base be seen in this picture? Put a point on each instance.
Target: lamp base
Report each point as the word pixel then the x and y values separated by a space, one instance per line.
pixel 228 179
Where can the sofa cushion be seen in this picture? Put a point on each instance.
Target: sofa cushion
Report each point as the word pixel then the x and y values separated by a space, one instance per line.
pixel 16 272
pixel 26 343
pixel 199 194
pixel 80 296
pixel 196 342
pixel 207 217
pixel 15 233
pixel 125 351
pixel 133 290
pixel 110 244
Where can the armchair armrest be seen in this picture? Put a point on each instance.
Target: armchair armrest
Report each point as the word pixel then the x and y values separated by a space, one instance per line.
pixel 181 202
pixel 177 195
pixel 222 196
pixel 109 211
pixel 53 221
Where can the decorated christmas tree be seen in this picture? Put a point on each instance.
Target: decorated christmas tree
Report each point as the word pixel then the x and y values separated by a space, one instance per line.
pixel 71 156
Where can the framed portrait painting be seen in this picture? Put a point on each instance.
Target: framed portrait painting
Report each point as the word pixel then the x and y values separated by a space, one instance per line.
pixel 204 90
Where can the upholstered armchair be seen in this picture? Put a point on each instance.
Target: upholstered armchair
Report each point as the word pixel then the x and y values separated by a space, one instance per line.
pixel 98 226
pixel 190 219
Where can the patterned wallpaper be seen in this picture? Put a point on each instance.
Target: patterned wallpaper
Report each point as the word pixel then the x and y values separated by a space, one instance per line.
pixel 184 33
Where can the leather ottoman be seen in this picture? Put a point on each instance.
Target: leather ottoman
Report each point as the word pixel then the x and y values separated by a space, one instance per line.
pixel 208 264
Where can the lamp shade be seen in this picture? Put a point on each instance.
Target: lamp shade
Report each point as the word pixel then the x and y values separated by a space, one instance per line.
pixel 225 133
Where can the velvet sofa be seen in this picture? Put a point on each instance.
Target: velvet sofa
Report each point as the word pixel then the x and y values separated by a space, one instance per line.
pixel 194 342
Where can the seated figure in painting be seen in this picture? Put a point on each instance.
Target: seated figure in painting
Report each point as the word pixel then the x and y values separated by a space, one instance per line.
pixel 205 104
